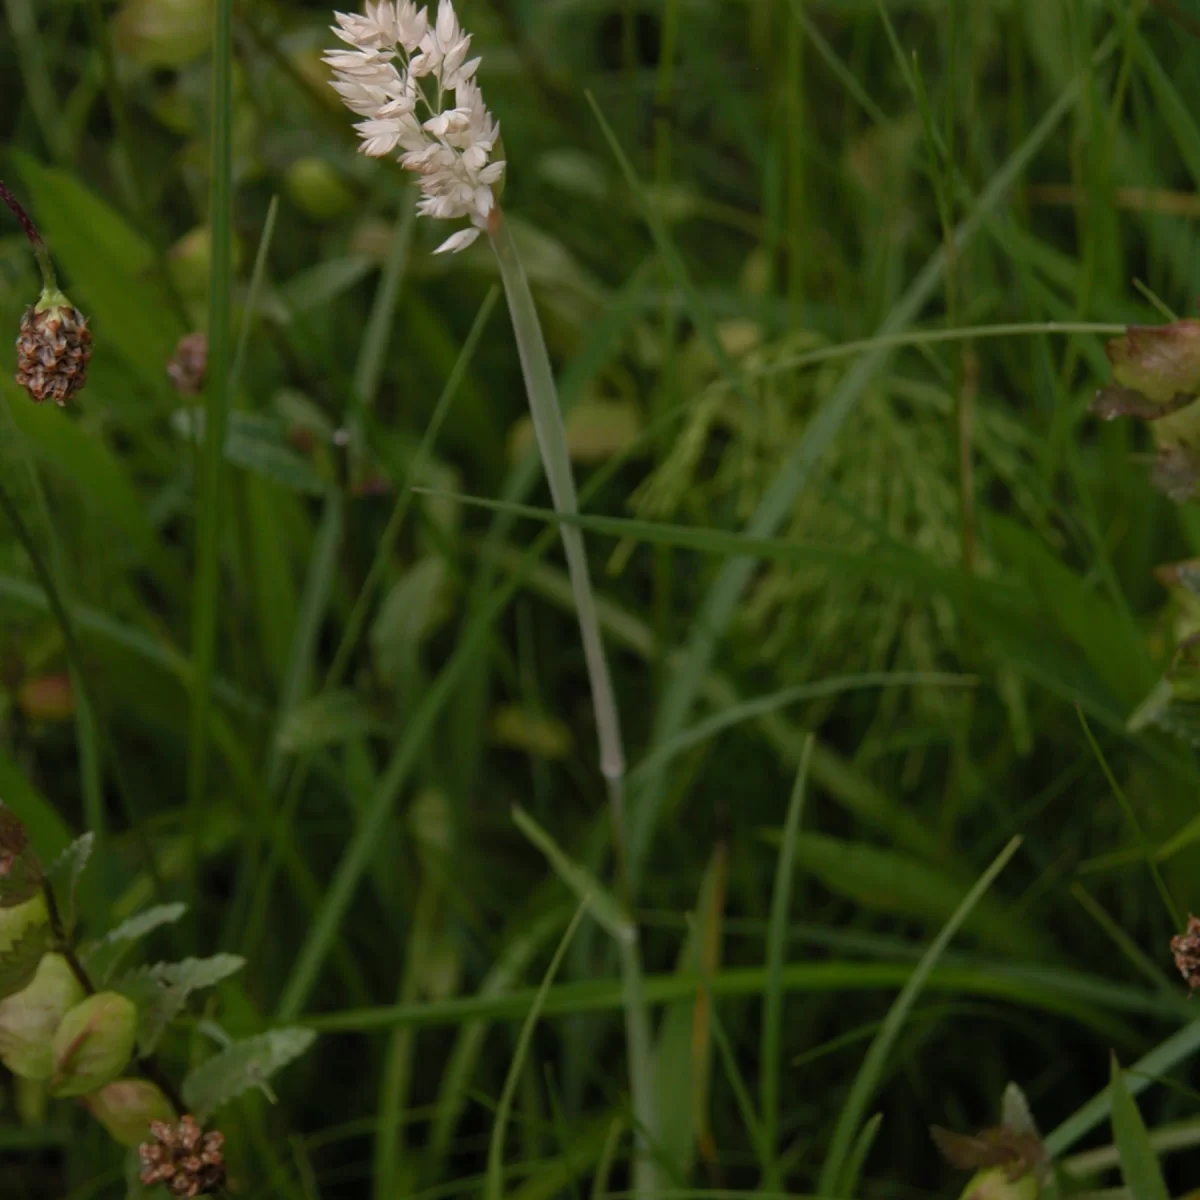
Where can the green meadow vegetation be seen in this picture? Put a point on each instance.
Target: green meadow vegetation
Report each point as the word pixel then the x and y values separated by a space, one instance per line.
pixel 912 809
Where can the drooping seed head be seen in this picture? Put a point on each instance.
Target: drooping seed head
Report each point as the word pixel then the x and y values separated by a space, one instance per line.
pixel 54 348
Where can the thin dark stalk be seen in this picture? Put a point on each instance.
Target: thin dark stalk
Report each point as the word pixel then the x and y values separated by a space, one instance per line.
pixel 49 278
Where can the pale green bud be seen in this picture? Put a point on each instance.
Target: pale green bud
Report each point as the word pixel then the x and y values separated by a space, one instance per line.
pixel 93 1044
pixel 126 1107
pixel 993 1183
pixel 29 1019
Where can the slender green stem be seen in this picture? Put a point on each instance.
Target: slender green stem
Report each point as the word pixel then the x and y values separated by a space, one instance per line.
pixel 552 442
pixel 208 496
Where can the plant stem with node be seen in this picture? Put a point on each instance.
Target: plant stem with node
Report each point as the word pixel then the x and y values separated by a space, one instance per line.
pixel 552 442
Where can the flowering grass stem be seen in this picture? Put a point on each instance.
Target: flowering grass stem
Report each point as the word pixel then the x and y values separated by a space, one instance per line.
pixel 552 442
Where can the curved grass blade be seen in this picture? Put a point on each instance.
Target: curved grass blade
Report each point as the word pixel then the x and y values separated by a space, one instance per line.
pixel 867 1078
pixel 494 1186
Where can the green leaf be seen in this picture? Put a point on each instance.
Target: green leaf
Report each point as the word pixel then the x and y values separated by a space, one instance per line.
pixel 326 720
pixel 414 608
pixel 259 444
pixel 1139 1163
pixel 867 1078
pixel 242 1066
pixel 889 881
pixel 161 991
pixel 64 875
pixel 587 888
pixel 19 963
pixel 48 832
pixel 1015 1113
pixel 858 1156
pixel 142 923
pixel 84 462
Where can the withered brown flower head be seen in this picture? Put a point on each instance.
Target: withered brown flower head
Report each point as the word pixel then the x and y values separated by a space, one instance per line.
pixel 53 350
pixel 183 1158
pixel 190 364
pixel 1186 948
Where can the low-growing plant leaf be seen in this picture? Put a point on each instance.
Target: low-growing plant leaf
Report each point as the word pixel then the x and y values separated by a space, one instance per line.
pixel 64 875
pixel 19 963
pixel 103 956
pixel 142 923
pixel 161 991
pixel 325 720
pixel 1139 1162
pixel 413 609
pixel 241 1066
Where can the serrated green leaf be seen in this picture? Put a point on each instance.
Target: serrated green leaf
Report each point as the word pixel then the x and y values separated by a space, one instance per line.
pixel 64 875
pixel 142 923
pixel 19 963
pixel 161 991
pixel 103 955
pixel 242 1066
pixel 1139 1163
pixel 325 720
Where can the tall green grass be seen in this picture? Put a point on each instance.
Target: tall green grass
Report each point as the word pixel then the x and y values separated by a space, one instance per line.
pixel 825 289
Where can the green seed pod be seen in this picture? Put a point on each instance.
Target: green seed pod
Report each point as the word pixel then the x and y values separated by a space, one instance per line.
pixel 127 1106
pixel 993 1183
pixel 17 921
pixel 317 189
pixel 93 1044
pixel 28 1019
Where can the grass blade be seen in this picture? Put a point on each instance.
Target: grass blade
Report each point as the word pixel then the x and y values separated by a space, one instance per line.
pixel 776 948
pixel 494 1187
pixel 1139 1162
pixel 718 606
pixel 868 1075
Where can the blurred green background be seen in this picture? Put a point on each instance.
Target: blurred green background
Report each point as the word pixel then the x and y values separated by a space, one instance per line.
pixel 817 314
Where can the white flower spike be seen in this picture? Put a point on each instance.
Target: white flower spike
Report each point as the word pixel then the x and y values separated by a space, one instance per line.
pixel 443 130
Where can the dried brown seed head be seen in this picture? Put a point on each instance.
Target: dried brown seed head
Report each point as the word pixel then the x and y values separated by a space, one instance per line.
pixel 190 364
pixel 1186 948
pixel 184 1158
pixel 53 351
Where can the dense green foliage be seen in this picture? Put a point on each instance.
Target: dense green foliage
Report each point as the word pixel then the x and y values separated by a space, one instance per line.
pixel 843 480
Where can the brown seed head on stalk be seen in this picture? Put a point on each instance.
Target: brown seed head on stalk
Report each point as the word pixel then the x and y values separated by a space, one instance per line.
pixel 53 350
pixel 190 364
pixel 182 1157
pixel 1186 948
pixel 55 344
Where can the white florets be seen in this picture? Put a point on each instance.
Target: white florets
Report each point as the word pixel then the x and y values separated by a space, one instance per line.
pixel 442 128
